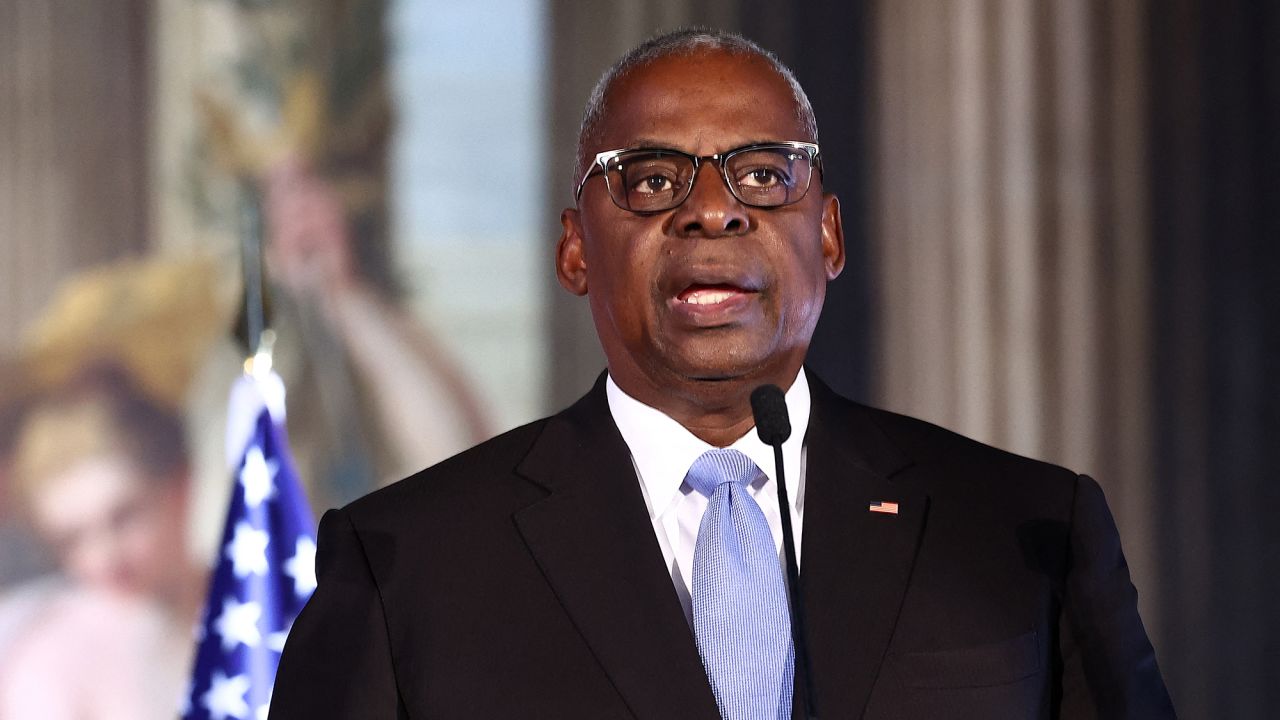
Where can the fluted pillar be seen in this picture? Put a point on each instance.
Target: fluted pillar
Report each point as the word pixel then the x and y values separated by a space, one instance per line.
pixel 73 125
pixel 1011 235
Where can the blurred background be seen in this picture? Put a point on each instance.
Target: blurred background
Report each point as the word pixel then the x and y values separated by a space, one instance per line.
pixel 1064 238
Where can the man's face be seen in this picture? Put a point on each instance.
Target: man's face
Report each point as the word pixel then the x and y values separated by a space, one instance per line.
pixel 712 289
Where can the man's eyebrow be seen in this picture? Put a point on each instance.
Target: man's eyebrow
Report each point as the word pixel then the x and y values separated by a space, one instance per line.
pixel 647 142
pixel 651 143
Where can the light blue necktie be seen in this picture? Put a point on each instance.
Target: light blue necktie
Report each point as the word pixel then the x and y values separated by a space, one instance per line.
pixel 740 616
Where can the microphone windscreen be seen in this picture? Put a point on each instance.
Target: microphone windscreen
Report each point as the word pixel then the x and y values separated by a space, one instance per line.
pixel 769 406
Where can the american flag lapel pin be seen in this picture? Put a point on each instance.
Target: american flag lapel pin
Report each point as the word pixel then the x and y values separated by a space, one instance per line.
pixel 884 506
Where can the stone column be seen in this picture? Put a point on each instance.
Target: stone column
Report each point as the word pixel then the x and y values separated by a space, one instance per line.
pixel 73 133
pixel 1011 235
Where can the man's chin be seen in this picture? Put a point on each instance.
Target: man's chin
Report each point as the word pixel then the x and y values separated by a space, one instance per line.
pixel 723 370
pixel 710 366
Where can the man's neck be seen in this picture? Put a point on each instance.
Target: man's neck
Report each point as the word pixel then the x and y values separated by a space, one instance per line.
pixel 719 430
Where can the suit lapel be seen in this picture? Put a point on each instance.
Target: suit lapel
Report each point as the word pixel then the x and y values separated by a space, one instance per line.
pixel 856 563
pixel 594 542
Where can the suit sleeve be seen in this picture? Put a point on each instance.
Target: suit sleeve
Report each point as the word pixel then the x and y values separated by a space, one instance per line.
pixel 1109 666
pixel 337 660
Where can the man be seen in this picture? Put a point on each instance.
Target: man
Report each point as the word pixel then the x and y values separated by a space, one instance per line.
pixel 584 566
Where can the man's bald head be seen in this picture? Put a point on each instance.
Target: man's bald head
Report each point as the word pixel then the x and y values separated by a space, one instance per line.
pixel 679 42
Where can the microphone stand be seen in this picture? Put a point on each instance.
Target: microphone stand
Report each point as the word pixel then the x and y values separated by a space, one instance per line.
pixel 769 405
pixel 798 633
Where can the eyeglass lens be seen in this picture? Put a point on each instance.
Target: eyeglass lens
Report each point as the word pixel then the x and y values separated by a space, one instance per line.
pixel 652 181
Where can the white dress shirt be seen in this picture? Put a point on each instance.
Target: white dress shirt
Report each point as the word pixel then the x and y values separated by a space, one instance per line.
pixel 662 451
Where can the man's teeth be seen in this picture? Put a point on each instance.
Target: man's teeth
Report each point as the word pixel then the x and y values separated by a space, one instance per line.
pixel 708 297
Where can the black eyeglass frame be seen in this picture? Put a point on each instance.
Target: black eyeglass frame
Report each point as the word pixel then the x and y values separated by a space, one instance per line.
pixel 600 166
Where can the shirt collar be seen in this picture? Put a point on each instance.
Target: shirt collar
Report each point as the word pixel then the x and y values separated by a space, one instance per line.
pixel 663 450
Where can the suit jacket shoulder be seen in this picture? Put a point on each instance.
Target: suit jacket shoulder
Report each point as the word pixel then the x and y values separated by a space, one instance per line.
pixel 997 586
pixel 526 564
pixel 471 478
pixel 894 444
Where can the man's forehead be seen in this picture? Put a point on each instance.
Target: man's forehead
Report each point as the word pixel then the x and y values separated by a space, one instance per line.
pixel 702 101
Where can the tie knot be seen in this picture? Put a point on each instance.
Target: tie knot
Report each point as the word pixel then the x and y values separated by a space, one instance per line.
pixel 714 468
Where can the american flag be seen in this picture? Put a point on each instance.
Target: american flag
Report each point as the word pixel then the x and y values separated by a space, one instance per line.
pixel 266 567
pixel 884 506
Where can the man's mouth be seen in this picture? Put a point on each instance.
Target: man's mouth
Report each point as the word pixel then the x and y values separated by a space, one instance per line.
pixel 713 304
pixel 709 294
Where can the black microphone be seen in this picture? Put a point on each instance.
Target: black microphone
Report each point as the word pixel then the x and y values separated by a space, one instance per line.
pixel 769 406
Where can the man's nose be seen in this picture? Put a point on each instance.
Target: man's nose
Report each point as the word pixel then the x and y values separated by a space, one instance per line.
pixel 710 210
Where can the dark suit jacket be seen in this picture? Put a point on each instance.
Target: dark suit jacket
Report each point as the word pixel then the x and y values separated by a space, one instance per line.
pixel 522 579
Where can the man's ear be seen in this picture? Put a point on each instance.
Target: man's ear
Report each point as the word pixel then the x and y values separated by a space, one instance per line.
pixel 832 236
pixel 571 261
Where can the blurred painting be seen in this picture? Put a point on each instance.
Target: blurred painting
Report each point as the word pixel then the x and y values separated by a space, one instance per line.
pixel 290 134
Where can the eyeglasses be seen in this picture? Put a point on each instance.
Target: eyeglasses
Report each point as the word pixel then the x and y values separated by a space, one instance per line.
pixel 648 180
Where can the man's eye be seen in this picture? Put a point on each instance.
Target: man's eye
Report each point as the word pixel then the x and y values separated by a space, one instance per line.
pixel 760 178
pixel 652 185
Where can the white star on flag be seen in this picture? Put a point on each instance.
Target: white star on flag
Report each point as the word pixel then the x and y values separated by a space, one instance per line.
pixel 238 623
pixel 275 641
pixel 225 697
pixel 248 550
pixel 302 567
pixel 258 477
pixel 265 708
